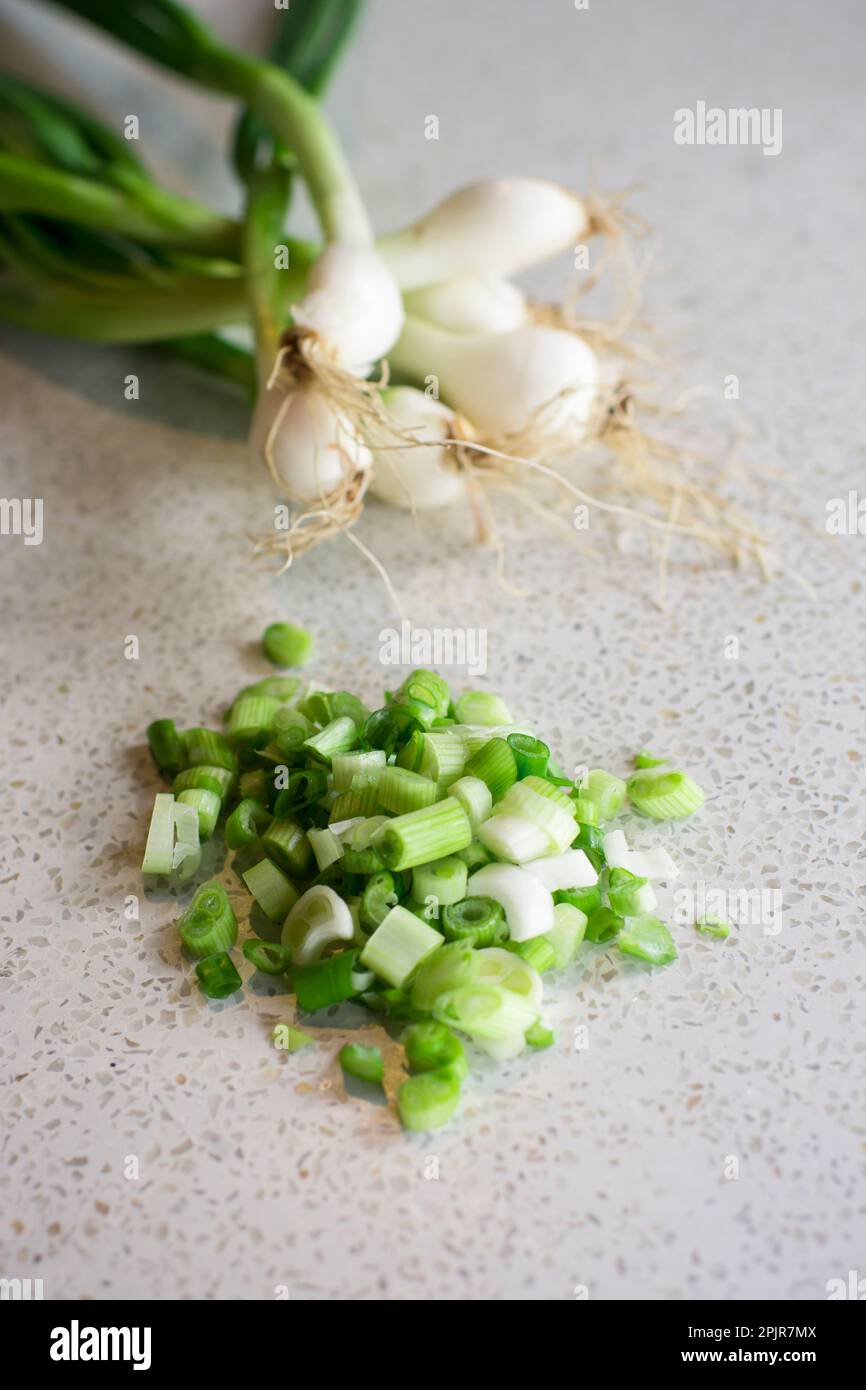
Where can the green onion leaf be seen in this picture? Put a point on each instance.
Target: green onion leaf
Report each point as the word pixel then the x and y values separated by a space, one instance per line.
pixel 648 939
pixel 218 976
pixel 275 894
pixel 430 1046
pixel 363 1061
pixel 268 956
pixel 284 644
pixel 664 795
pixel 429 1100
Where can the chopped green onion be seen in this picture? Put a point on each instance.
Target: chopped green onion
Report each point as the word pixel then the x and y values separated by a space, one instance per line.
pixel 355 804
pixel 486 1011
pixel 318 919
pixel 208 925
pixel 285 842
pixel 186 856
pixel 530 754
pixel 442 756
pixel 325 982
pixel 283 689
pixel 586 900
pixel 401 791
pixel 607 791
pixel 206 777
pixel 378 898
pixel 207 805
pixel 585 810
pixel 255 785
pixel 284 644
pixel 159 848
pixel 390 728
pixel 327 847
pixel 425 695
pixel 539 952
pixel 474 855
pixel 275 894
pixel 650 863
pixel 304 786
pixel 603 925
pixel 246 824
pixel 166 746
pixel 539 1036
pixel 429 833
pixel 558 871
pixel 495 764
pixel 250 718
pixel 523 801
pixel 430 1046
pixel 427 910
pixel 204 748
pixel 268 956
pixel 362 1061
pixel 289 730
pixel 218 976
pixel 527 904
pixel 475 921
pixel 664 795
pixel 590 838
pixel 455 964
pixel 513 838
pixel 289 1039
pixel 474 796
pixel 442 879
pixel 713 925
pixel 399 945
pixel 630 895
pixel 361 861
pixel 647 938
pixel 480 707
pixel 496 966
pixel 554 791
pixel 345 765
pixel 645 759
pixel 337 737
pixel 428 1101
pixel 566 934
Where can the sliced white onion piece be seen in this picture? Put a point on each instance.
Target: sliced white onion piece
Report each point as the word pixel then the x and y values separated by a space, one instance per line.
pixel 645 863
pixel 513 838
pixel 527 904
pixel 317 919
pixel 569 870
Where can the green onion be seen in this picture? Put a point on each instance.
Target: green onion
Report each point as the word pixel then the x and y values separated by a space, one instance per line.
pixel 530 754
pixel 348 805
pixel 206 777
pixel 159 848
pixel 443 756
pixel 474 855
pixel 647 939
pixel 430 1046
pixel 566 934
pixel 207 805
pixel 337 737
pixel 539 952
pixel 390 728
pixel 553 790
pixel 246 824
pixel 204 748
pixel 284 644
pixel 304 786
pixel 664 795
pixel 475 921
pixel 713 925
pixel 645 759
pixel 186 856
pixel 630 895
pixel 343 704
pixel 495 764
pixel 586 900
pixel 428 910
pixel 318 919
pixel 285 842
pixel 523 801
pixel 268 956
pixel 496 966
pixel 208 925
pixel 513 838
pixel 486 1011
pixel 275 894
pixel 364 1062
pixel 603 925
pixel 455 964
pixel 590 838
pixel 362 861
pixel 283 689
pixel 400 790
pixel 539 1036
pixel 378 898
pixel 166 746
pixel 443 879
pixel 326 846
pixel 607 791
pixel 254 785
pixel 429 833
pixel 344 766
pixel 325 982
pixel 474 796
pixel 425 695
pixel 429 1100
pixel 218 976
pixel 289 1039
pixel 399 945
pixel 585 810
pixel 527 904
pixel 480 707
pixel 569 870
pixel 289 730
pixel 250 718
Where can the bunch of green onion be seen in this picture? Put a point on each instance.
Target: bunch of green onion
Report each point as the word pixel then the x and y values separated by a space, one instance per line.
pixel 91 246
pixel 427 859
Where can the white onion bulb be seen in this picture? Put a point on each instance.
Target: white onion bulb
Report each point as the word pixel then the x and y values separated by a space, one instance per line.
pixel 314 447
pixel 472 304
pixel 418 476
pixel 353 303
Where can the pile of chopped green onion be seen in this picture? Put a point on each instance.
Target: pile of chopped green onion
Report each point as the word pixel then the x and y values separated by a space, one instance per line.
pixel 427 859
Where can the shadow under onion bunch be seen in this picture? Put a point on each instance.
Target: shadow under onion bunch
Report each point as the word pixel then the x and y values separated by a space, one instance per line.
pixel 427 860
pixel 93 247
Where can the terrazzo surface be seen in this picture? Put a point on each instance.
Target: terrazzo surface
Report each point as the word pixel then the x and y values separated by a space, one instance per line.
pixel 698 1130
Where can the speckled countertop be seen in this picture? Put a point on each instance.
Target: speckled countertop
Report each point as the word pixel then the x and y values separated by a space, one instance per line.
pixel 698 1131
